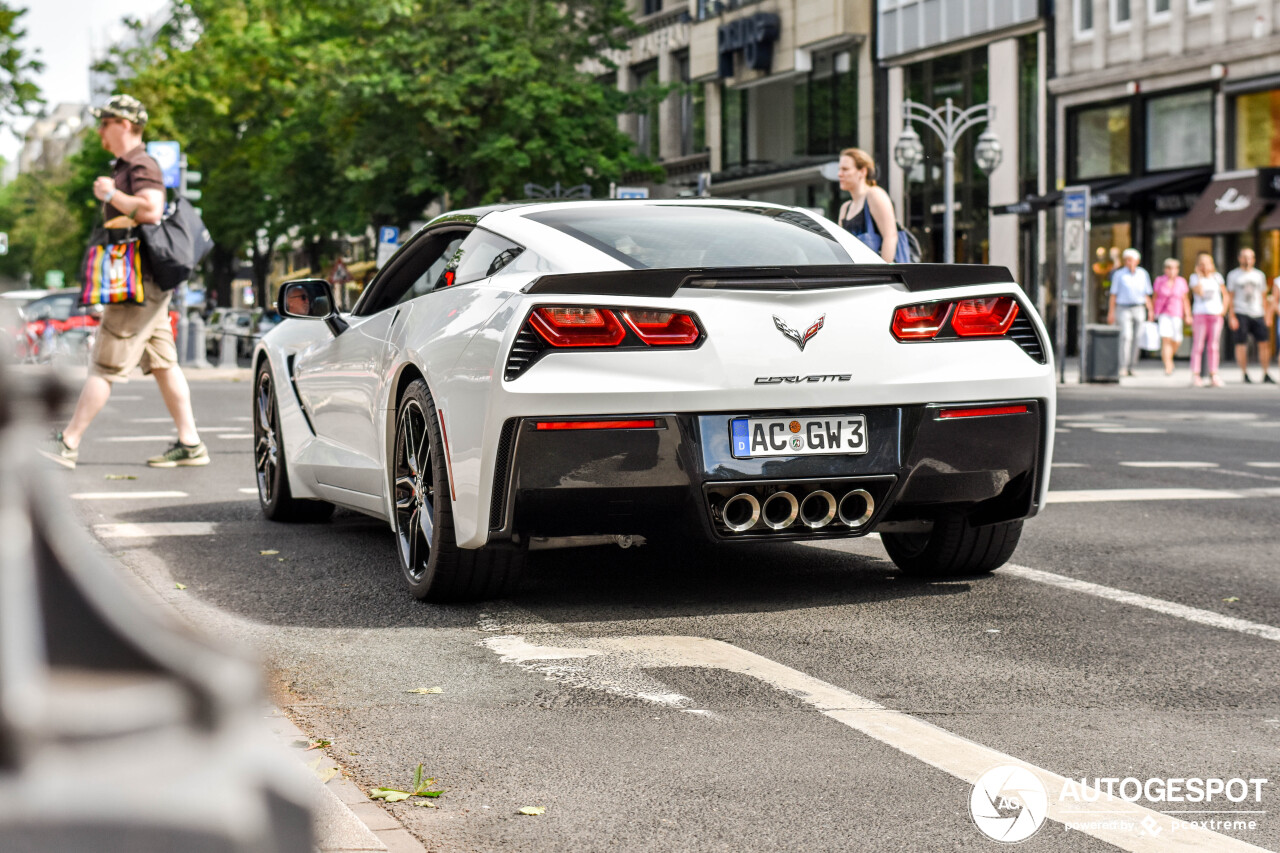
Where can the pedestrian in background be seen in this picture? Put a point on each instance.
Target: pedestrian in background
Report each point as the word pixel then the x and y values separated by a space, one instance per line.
pixel 132 334
pixel 1172 309
pixel 1246 313
pixel 1130 303
pixel 868 214
pixel 1207 308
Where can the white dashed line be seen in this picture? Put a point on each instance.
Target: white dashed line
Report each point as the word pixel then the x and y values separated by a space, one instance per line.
pixel 252 491
pixel 120 438
pixel 1129 430
pixel 1169 608
pixel 154 530
pixel 1263 464
pixel 1076 496
pixel 136 496
pixel 236 437
pixel 1069 465
pixel 1170 464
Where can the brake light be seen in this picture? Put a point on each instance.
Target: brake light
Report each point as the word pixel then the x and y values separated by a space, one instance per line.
pixel 632 424
pixel 988 315
pixel 578 327
pixel 983 412
pixel 662 328
pixel 920 322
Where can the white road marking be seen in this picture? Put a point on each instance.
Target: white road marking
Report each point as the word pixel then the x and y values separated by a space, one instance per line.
pixel 1170 464
pixel 1169 608
pixel 1069 465
pixel 252 491
pixel 237 437
pixel 1264 464
pixel 1264 424
pixel 1088 424
pixel 1060 430
pixel 154 530
pixel 1075 496
pixel 136 496
pixel 950 753
pixel 1130 430
pixel 119 438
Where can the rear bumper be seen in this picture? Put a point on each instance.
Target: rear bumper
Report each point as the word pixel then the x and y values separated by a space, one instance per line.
pixel 681 471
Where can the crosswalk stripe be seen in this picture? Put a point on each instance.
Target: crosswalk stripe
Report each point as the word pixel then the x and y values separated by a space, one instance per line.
pixel 114 496
pixel 154 529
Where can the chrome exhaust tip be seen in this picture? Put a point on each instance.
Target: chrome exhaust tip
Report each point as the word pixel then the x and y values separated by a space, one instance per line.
pixel 817 509
pixel 740 512
pixel 856 508
pixel 780 510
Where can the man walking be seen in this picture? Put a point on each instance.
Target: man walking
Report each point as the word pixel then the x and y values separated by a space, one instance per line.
pixel 1246 314
pixel 132 334
pixel 1130 303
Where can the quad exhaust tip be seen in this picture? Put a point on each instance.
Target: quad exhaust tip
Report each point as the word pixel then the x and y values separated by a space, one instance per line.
pixel 741 512
pixel 817 509
pixel 779 510
pixel 856 508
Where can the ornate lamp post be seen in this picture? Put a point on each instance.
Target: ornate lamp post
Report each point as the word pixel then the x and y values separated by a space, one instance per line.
pixel 949 123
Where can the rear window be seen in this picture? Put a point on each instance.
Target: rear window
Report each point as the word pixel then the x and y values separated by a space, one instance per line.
pixel 676 236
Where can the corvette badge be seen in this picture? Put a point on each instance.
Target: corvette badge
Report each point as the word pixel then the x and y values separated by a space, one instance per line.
pixel 800 339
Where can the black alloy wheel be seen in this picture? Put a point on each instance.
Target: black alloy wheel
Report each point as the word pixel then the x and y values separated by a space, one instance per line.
pixel 434 567
pixel 277 503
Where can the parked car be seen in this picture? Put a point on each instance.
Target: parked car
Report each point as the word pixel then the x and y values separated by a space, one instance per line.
pixel 743 372
pixel 45 319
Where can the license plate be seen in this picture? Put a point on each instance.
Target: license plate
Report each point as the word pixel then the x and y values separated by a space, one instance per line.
pixel 799 436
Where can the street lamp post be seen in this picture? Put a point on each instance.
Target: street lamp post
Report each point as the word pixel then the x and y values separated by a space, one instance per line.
pixel 949 123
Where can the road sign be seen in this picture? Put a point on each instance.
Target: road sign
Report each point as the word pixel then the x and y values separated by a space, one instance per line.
pixel 388 240
pixel 169 155
pixel 1074 249
pixel 4 243
pixel 1073 272
pixel 1075 203
pixel 633 192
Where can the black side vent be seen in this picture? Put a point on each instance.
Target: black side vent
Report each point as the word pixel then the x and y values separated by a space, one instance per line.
pixel 1023 333
pixel 524 352
pixel 501 474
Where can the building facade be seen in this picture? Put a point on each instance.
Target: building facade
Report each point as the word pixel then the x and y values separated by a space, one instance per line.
pixel 1170 111
pixel 51 140
pixel 971 52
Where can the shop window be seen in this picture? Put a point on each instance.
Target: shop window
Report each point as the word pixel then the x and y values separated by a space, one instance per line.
pixel 1100 136
pixel 1180 130
pixel 826 106
pixel 733 126
pixel 693 116
pixel 1257 129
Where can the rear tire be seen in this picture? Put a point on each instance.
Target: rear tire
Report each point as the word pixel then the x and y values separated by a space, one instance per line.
pixel 434 567
pixel 277 503
pixel 953 548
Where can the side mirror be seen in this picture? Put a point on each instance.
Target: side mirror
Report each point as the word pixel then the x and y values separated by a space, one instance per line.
pixel 310 299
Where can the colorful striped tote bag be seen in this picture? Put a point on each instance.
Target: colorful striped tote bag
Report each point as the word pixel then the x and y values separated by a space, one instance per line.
pixel 112 268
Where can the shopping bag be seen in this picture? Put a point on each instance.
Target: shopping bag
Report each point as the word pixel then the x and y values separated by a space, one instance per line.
pixel 112 268
pixel 1149 339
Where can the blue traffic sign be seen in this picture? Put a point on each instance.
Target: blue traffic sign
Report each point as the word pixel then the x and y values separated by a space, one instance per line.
pixel 389 234
pixel 1076 205
pixel 169 156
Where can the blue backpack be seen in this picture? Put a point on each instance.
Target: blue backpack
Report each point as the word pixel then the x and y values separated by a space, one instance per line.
pixel 906 252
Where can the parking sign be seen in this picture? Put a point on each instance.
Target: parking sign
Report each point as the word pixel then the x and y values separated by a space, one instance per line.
pixel 169 155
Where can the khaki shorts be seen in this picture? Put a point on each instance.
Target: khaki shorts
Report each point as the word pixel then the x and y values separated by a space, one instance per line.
pixel 132 336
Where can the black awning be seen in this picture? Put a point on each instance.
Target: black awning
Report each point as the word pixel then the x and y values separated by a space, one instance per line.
pixel 1048 201
pixel 1271 222
pixel 1227 206
pixel 1125 193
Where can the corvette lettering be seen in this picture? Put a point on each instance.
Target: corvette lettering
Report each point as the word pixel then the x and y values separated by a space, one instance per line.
pixel 785 380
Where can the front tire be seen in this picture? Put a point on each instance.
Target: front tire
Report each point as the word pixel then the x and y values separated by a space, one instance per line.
pixel 434 567
pixel 277 503
pixel 953 548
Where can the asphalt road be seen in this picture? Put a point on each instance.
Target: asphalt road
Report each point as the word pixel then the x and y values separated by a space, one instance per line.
pixel 794 722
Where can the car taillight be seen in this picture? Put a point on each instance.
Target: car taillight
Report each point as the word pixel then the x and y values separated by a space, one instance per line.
pixel 578 327
pixel 663 328
pixel 986 316
pixel 920 322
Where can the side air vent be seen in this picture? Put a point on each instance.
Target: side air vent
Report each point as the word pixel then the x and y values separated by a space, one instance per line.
pixel 526 349
pixel 501 474
pixel 1023 333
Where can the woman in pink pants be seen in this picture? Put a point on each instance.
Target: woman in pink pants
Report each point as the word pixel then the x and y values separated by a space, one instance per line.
pixel 1206 317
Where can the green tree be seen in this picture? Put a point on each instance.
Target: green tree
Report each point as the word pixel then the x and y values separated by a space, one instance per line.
pixel 19 94
pixel 44 232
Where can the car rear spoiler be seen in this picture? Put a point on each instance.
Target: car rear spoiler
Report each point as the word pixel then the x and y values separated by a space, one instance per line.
pixel 665 282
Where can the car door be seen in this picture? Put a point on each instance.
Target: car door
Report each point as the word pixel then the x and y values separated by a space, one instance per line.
pixel 340 380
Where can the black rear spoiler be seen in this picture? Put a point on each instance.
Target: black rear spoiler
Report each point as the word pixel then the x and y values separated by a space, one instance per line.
pixel 665 283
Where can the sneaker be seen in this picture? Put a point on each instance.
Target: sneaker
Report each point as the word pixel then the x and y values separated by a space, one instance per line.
pixel 181 454
pixel 1216 380
pixel 57 450
pixel 1266 379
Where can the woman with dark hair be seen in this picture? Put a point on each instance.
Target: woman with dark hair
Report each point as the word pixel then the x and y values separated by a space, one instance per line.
pixel 868 214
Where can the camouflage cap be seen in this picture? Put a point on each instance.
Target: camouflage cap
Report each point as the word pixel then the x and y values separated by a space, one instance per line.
pixel 126 107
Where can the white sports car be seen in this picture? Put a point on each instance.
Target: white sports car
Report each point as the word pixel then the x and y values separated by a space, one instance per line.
pixel 551 374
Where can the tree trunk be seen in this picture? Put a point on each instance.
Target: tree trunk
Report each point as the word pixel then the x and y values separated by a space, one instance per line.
pixel 222 264
pixel 261 260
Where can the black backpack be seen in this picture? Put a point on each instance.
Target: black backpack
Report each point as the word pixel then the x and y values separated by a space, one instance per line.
pixel 176 245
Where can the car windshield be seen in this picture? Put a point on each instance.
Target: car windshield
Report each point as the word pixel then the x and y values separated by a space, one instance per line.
pixel 676 236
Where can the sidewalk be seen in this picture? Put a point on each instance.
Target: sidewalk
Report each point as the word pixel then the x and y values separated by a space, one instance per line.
pixel 1149 373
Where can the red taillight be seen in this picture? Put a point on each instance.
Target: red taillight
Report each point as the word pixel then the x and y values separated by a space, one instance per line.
pixel 920 322
pixel 662 328
pixel 632 424
pixel 986 316
pixel 983 412
pixel 578 327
